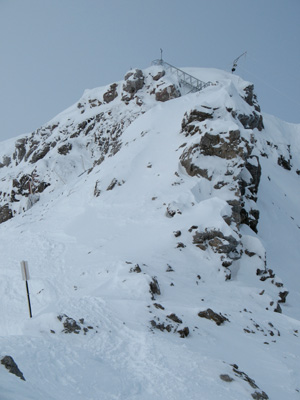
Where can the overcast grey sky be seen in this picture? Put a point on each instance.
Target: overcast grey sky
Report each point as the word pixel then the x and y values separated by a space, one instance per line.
pixel 52 50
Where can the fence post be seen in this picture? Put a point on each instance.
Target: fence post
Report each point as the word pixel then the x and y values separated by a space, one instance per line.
pixel 26 277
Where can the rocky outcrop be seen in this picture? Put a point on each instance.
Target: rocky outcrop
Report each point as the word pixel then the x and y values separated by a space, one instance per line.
pixel 250 121
pixel 159 75
pixel 168 93
pixel 39 154
pixel 11 366
pixel 5 161
pixel 219 319
pixel 5 213
pixel 190 122
pixel 186 160
pixel 154 288
pixel 222 145
pixel 65 149
pixel 134 81
pixel 111 94
pixel 219 243
pixel 284 163
pixel 20 150
pixel 251 98
pixel 230 147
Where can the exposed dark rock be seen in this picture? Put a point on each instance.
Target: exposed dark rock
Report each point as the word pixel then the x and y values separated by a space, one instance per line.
pixel 70 325
pixel 249 253
pixel 134 81
pixel 241 216
pixel 39 154
pixel 186 160
pixel 286 164
pixel 159 306
pixel 188 127
pixel 5 213
pixel 252 121
pixel 65 149
pixel 97 190
pixel 12 367
pixel 184 332
pixel 41 187
pixel 171 211
pixel 159 75
pixel 94 103
pixel 226 378
pixel 20 149
pixel 136 269
pixel 154 288
pixel 259 396
pixel 113 183
pixel 6 160
pixel 223 147
pixel 255 172
pixel 278 309
pixel 111 94
pixel 174 318
pixel 168 93
pixel 218 242
pixel 283 296
pixel 161 326
pixel 251 98
pixel 24 183
pixel 266 274
pixel 82 125
pixel 244 376
pixel 177 233
pixel 211 315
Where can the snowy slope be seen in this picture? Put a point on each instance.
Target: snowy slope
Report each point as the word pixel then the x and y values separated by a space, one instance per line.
pixel 148 208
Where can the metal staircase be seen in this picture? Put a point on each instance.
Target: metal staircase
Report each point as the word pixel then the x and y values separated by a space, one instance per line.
pixel 194 84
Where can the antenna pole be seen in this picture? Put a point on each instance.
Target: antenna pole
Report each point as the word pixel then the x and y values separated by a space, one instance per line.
pixel 161 52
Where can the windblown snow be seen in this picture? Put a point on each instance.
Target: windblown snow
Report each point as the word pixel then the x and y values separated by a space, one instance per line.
pixel 161 229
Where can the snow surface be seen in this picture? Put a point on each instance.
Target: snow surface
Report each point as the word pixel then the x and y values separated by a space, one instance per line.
pixel 82 250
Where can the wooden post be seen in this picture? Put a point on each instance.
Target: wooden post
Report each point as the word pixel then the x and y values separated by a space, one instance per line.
pixel 26 277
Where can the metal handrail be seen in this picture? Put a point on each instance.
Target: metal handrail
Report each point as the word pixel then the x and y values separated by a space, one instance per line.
pixel 193 83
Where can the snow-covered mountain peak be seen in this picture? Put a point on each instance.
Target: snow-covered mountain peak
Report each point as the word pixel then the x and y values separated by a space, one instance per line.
pixel 152 219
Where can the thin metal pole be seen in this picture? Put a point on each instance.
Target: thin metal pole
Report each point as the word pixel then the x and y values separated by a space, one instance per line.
pixel 28 298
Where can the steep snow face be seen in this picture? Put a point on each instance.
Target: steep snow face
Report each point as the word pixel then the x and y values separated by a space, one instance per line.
pixel 153 226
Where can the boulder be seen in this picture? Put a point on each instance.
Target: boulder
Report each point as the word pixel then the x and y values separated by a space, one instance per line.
pixel 210 314
pixel 111 94
pixel 5 213
pixel 154 287
pixel 134 81
pixel 12 367
pixel 64 149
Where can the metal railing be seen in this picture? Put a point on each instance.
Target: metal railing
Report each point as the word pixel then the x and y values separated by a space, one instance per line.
pixel 194 84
